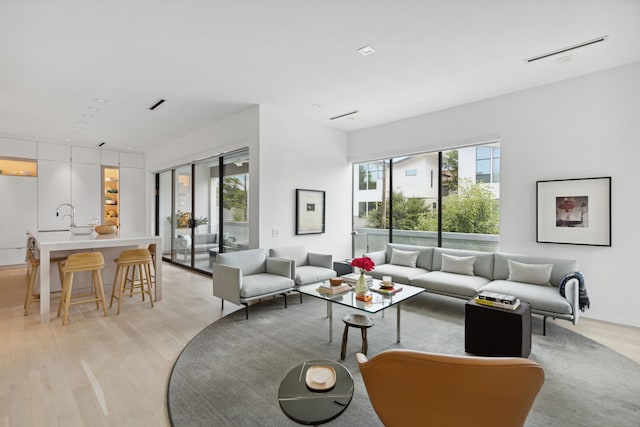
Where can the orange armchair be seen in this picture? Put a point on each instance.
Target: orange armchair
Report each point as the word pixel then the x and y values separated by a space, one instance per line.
pixel 411 387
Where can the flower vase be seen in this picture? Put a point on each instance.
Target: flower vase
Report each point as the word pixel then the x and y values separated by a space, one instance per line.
pixel 361 284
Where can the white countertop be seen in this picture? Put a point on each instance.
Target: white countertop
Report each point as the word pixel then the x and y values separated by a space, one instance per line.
pixel 61 237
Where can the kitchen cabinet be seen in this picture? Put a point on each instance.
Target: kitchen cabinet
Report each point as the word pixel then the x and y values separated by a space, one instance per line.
pixel 54 188
pixel 18 214
pixel 133 202
pixel 85 192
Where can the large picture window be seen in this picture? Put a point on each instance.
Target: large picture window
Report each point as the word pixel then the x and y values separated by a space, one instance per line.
pixel 411 205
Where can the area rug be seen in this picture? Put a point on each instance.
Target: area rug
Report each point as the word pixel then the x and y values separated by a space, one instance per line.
pixel 229 374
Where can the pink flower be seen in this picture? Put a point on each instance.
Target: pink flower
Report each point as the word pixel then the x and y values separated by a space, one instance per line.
pixel 363 263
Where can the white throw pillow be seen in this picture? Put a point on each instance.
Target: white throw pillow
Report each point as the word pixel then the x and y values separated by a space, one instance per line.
pixel 458 264
pixel 406 258
pixel 536 274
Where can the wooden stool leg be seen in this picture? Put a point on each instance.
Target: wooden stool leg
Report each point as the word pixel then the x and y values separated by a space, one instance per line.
pixel 67 289
pixel 98 280
pixel 32 272
pixel 141 281
pixel 345 334
pixel 365 344
pixel 133 279
pixel 123 284
pixel 116 286
pixel 147 269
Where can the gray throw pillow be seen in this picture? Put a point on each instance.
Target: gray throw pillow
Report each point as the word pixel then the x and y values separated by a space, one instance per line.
pixel 458 264
pixel 536 274
pixel 406 258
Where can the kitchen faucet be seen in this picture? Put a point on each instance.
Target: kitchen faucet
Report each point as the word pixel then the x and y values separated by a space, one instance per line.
pixel 73 213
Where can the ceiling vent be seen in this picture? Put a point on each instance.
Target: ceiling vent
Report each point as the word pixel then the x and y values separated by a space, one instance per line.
pixel 566 49
pixel 156 104
pixel 343 115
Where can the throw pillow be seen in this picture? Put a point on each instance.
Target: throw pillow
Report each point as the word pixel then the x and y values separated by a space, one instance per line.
pixel 458 264
pixel 537 274
pixel 406 258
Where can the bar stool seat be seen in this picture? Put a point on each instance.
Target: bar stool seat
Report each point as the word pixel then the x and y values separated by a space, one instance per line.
pixel 130 261
pixel 33 266
pixel 360 321
pixel 83 261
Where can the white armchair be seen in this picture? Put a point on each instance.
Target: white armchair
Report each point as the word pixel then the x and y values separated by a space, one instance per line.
pixel 242 276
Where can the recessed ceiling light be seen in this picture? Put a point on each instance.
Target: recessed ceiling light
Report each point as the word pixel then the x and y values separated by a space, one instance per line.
pixel 316 105
pixel 129 148
pixel 343 115
pixel 87 116
pixel 366 50
pixel 92 108
pixel 67 139
pixel 100 100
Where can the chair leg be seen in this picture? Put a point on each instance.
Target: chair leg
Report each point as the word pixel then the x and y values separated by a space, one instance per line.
pixel 147 272
pixel 116 286
pixel 544 325
pixel 300 293
pixel 222 304
pixel 246 310
pixel 285 300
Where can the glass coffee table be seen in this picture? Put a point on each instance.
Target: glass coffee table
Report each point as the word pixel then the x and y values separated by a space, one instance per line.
pixel 379 302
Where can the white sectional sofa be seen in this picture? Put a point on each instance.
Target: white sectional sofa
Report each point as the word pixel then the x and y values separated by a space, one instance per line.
pixel 465 273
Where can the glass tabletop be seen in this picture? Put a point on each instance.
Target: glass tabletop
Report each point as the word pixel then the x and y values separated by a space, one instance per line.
pixel 379 301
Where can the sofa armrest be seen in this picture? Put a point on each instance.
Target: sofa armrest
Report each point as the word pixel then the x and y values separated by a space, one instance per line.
pixel 378 257
pixel 227 282
pixel 572 294
pixel 320 260
pixel 280 266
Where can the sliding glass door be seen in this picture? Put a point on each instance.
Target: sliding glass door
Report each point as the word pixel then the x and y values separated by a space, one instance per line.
pixel 198 217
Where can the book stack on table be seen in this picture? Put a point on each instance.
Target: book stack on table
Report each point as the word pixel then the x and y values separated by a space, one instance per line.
pixel 493 299
pixel 353 278
pixel 326 288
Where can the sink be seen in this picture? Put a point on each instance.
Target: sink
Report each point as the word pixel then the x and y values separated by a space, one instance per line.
pixel 81 229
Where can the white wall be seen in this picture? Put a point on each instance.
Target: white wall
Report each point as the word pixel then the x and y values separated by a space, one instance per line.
pixel 577 128
pixel 296 153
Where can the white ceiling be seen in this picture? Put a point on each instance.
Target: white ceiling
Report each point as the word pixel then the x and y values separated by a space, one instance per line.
pixel 212 58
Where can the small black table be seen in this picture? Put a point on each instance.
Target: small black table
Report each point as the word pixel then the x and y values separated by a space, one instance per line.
pixel 491 331
pixel 306 406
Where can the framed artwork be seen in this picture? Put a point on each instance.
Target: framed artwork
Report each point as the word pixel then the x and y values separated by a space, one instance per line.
pixel 309 211
pixel 574 211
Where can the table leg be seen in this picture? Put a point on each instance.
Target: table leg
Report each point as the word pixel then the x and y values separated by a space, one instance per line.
pixel 330 311
pixel 398 324
pixel 45 284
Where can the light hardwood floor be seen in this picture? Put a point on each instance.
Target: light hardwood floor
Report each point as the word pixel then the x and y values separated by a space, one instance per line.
pixel 114 371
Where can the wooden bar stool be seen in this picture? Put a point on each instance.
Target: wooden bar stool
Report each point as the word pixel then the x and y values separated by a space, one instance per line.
pixel 152 251
pixel 33 266
pixel 84 261
pixel 130 261
pixel 361 322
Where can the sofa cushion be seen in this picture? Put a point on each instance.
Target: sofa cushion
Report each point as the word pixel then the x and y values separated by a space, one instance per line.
pixel 560 266
pixel 250 262
pixel 297 253
pixel 312 274
pixel 458 264
pixel 399 273
pixel 320 260
pixel 424 257
pixel 406 258
pixel 483 265
pixel 450 283
pixel 542 298
pixel 536 274
pixel 263 283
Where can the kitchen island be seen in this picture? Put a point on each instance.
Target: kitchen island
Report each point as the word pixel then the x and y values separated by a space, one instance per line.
pixel 48 242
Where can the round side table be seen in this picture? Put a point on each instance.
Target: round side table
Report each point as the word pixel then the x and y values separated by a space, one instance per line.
pixel 306 406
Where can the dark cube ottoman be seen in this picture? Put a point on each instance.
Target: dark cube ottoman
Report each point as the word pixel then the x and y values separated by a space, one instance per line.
pixel 492 331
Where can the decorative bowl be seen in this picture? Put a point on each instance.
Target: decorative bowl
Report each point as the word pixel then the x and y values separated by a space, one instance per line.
pixel 105 229
pixel 335 281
